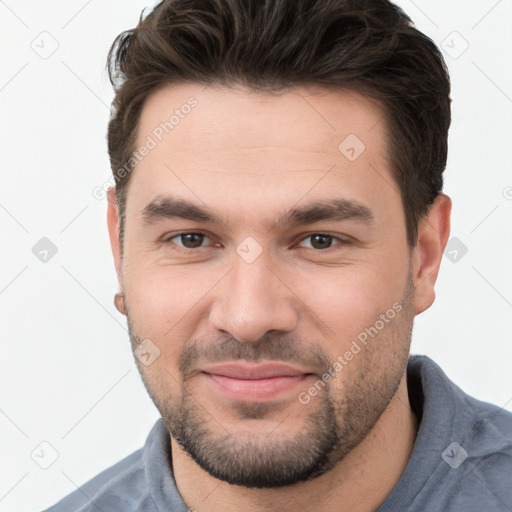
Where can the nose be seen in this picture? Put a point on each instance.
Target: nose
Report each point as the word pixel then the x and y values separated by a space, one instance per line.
pixel 253 300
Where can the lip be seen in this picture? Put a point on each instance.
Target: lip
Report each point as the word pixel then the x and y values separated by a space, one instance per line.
pixel 256 382
pixel 254 371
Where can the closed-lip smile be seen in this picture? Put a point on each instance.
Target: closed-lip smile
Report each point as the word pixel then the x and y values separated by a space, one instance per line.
pixel 251 382
pixel 236 370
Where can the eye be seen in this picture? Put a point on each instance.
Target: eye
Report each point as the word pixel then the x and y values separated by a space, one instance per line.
pixel 188 240
pixel 322 240
pixel 195 240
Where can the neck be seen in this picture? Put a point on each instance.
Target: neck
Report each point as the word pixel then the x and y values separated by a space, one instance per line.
pixel 360 482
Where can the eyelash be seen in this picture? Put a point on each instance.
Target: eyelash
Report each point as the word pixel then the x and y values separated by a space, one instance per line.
pixel 342 241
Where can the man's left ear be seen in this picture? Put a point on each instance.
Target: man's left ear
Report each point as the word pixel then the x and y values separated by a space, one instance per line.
pixel 433 233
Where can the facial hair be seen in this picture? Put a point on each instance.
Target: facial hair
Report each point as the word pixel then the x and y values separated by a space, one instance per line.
pixel 334 424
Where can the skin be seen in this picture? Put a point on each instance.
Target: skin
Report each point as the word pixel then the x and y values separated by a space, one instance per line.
pixel 248 157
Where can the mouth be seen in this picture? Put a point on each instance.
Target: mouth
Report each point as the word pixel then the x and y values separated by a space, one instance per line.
pixel 254 383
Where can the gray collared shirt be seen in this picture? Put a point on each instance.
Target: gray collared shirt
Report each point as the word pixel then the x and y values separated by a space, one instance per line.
pixel 461 460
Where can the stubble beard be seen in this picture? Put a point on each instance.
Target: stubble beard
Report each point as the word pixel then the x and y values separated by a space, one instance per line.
pixel 331 428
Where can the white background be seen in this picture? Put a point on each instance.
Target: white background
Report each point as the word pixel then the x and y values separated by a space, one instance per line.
pixel 67 375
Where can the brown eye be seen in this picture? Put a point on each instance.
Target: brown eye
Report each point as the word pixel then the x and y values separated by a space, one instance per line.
pixel 319 241
pixel 323 241
pixel 189 240
pixel 192 240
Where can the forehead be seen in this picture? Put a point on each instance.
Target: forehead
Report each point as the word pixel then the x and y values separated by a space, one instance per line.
pixel 216 142
pixel 302 119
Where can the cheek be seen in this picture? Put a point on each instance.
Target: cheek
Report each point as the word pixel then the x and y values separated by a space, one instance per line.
pixel 164 300
pixel 346 300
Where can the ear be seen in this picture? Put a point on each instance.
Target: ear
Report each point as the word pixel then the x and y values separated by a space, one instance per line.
pixel 433 233
pixel 113 229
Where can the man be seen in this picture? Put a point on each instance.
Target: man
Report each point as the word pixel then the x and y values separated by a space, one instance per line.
pixel 277 221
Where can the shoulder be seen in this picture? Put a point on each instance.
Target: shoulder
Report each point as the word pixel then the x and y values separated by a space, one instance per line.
pixel 119 487
pixel 489 453
pixel 484 426
pixel 473 440
pixel 141 482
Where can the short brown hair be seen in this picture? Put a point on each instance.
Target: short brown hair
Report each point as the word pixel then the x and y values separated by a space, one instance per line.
pixel 370 46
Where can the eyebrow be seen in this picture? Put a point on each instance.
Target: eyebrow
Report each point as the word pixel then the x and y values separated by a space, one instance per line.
pixel 338 209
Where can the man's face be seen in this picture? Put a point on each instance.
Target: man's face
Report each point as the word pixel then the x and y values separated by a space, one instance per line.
pixel 265 275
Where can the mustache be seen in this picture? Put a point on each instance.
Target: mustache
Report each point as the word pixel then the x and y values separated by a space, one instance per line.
pixel 269 347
